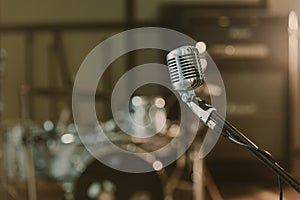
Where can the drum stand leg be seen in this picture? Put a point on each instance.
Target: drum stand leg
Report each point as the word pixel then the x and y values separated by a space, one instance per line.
pixel 174 179
pixel 31 174
pixel 29 143
pixel 3 178
pixel 203 182
pixel 198 178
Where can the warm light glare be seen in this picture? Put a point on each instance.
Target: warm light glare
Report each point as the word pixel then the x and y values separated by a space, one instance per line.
pixel 293 21
pixel 229 50
pixel 94 190
pixel 67 138
pixel 131 147
pixel 136 101
pixel 48 125
pixel 201 46
pixel 203 63
pixel 214 90
pixel 157 165
pixel 159 102
pixel 173 130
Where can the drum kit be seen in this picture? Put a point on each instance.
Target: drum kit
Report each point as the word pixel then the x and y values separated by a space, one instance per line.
pixel 35 152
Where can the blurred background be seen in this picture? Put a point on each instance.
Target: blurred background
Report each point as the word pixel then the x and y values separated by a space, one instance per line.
pixel 254 43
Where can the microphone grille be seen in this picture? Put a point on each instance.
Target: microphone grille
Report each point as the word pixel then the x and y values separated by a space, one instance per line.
pixel 184 68
pixel 173 70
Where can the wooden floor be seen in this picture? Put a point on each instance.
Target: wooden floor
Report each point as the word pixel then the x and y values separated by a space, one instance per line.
pixel 46 190
pixel 252 193
pixel 51 191
pixel 266 194
pixel 240 190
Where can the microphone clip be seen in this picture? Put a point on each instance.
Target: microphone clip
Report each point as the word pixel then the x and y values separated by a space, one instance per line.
pixel 199 107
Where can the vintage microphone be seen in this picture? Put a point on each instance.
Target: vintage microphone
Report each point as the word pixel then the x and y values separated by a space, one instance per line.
pixel 186 74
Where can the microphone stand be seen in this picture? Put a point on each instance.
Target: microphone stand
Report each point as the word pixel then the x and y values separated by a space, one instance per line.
pixel 208 115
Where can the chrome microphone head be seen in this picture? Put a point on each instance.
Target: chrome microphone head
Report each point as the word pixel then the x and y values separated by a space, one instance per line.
pixel 185 68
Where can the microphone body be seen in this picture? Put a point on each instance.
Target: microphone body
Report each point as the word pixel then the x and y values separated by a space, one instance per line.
pixel 186 74
pixel 185 68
